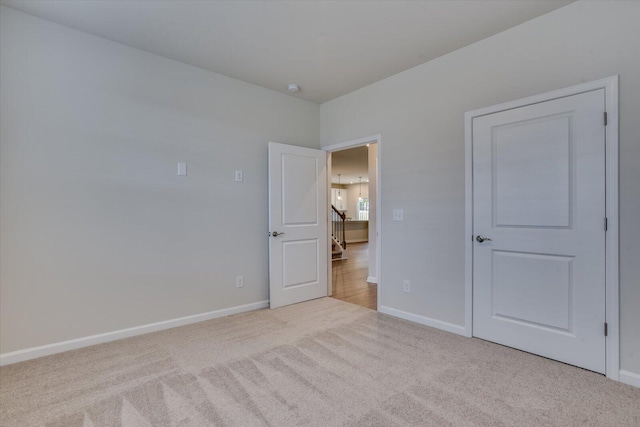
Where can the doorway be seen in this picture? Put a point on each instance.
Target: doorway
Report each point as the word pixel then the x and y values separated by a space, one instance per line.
pixel 353 231
pixel 300 266
pixel 541 208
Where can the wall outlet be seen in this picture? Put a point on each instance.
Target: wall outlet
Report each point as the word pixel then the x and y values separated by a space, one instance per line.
pixel 406 286
pixel 239 281
pixel 398 215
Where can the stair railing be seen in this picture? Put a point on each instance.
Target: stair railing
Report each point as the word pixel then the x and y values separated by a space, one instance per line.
pixel 337 226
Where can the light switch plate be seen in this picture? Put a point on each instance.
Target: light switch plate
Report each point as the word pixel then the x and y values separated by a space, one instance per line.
pixel 182 169
pixel 239 176
pixel 398 215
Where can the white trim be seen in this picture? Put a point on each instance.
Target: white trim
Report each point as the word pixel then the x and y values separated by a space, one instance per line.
pixel 373 139
pixel 427 321
pixel 605 83
pixel 372 279
pixel 468 224
pixel 612 248
pixel 59 347
pixel 354 143
pixel 630 378
pixel 379 221
pixel 612 285
pixel 329 229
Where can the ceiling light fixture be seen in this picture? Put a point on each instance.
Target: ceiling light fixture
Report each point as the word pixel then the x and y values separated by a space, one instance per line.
pixel 339 191
pixel 293 88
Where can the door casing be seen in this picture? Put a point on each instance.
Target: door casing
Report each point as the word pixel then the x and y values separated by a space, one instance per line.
pixel 612 291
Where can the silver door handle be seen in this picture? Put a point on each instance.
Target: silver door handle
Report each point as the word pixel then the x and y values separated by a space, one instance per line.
pixel 276 234
pixel 481 239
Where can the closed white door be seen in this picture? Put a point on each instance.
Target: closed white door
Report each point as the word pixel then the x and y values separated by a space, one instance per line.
pixel 539 203
pixel 297 224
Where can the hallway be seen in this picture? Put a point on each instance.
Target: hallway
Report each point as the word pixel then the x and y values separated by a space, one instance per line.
pixel 349 278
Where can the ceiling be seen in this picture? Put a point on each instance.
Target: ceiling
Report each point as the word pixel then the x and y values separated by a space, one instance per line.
pixel 329 48
pixel 351 164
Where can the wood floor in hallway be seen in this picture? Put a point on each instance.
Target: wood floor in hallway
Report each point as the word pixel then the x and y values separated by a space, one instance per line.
pixel 349 278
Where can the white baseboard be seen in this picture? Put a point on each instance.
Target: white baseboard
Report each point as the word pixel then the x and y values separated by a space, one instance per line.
pixel 59 347
pixel 630 378
pixel 372 279
pixel 438 324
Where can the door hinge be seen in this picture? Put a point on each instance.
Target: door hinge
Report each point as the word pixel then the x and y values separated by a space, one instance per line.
pixel 606 329
pixel 605 118
pixel 606 223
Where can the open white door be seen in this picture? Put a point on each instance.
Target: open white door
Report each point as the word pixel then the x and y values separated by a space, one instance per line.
pixel 297 224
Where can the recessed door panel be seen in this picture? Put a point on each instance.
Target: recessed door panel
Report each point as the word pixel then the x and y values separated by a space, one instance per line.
pixel 533 289
pixel 300 260
pixel 532 175
pixel 300 196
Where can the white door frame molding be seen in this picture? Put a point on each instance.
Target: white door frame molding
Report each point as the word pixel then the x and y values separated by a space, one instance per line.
pixel 373 139
pixel 612 291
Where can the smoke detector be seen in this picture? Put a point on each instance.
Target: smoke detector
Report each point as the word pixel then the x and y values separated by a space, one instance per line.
pixel 293 88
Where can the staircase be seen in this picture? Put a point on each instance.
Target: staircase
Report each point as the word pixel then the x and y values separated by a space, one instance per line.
pixel 338 241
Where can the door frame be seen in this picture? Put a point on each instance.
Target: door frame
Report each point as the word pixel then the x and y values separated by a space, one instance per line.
pixel 373 139
pixel 612 283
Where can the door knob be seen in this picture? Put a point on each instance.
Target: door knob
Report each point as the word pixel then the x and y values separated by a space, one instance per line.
pixel 276 234
pixel 481 239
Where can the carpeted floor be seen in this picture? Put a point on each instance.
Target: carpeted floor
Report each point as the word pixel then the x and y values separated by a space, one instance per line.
pixel 319 363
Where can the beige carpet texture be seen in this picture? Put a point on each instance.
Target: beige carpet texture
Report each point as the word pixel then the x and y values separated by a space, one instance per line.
pixel 318 363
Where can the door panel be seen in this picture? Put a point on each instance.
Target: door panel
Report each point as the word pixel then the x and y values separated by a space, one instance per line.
pixel 532 176
pixel 539 195
pixel 297 224
pixel 533 288
pixel 300 262
pixel 299 195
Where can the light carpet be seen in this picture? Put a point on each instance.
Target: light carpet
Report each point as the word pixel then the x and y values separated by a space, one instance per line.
pixel 318 363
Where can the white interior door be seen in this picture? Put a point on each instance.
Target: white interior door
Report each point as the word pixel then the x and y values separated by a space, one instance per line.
pixel 539 200
pixel 297 224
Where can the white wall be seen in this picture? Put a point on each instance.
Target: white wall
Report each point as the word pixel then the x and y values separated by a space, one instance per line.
pixel 340 197
pixel 420 116
pixel 98 232
pixel 352 203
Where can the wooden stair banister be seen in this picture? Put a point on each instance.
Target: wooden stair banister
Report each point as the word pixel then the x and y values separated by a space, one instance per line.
pixel 337 226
